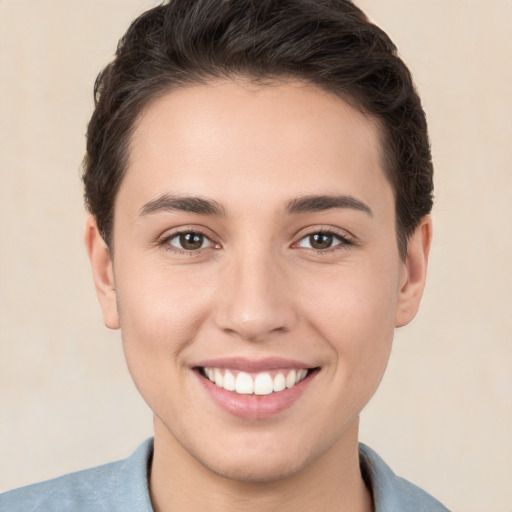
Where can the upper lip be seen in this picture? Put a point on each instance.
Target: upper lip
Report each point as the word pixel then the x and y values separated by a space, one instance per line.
pixel 253 365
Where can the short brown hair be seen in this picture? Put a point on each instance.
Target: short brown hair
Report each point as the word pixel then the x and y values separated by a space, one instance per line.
pixel 328 43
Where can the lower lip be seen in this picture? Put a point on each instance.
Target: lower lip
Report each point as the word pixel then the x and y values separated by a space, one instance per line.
pixel 255 406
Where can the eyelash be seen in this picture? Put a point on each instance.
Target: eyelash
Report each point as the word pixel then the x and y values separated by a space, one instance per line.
pixel 165 242
pixel 344 241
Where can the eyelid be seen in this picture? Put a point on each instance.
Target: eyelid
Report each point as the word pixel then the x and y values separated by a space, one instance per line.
pixel 345 238
pixel 164 239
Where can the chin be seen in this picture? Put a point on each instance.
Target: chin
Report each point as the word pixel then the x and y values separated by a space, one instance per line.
pixel 255 471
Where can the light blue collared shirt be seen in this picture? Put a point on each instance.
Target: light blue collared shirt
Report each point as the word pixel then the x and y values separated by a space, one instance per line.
pixel 123 487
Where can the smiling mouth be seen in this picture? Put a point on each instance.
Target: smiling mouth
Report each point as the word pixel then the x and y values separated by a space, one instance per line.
pixel 261 383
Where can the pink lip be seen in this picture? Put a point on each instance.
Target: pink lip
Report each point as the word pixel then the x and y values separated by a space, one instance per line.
pixel 251 366
pixel 254 406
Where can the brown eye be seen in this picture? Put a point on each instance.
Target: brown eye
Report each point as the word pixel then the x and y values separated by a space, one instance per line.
pixel 320 240
pixel 190 241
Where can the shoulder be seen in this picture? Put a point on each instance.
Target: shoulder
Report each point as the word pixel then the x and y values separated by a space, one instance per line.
pixel 88 488
pixel 104 488
pixel 390 492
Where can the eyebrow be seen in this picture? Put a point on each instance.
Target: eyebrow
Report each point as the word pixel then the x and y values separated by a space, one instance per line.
pixel 318 203
pixel 202 206
pixel 168 202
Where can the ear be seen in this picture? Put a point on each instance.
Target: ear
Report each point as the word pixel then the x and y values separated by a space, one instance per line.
pixel 103 272
pixel 414 272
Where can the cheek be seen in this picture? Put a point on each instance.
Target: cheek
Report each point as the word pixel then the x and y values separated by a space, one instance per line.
pixel 356 299
pixel 354 311
pixel 159 299
pixel 160 314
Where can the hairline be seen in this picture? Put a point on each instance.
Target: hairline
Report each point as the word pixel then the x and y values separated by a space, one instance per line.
pixel 387 159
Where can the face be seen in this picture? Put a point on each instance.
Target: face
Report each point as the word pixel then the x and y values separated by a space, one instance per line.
pixel 256 276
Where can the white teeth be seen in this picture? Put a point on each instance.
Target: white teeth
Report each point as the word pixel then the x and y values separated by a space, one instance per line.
pixel 262 383
pixel 229 381
pixel 279 382
pixel 290 379
pixel 244 384
pixel 219 379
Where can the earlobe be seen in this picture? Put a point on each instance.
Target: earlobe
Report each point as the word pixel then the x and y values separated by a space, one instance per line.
pixel 103 273
pixel 415 272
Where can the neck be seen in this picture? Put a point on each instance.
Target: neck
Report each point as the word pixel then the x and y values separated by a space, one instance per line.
pixel 332 482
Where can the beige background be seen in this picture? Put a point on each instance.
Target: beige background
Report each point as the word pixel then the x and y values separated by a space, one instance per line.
pixel 443 416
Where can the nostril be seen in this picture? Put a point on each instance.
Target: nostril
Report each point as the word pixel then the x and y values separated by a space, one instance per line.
pixel 256 326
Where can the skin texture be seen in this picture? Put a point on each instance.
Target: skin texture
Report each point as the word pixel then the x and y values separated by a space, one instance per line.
pixel 256 288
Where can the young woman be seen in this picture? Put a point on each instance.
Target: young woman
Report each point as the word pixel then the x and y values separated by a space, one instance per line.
pixel 259 182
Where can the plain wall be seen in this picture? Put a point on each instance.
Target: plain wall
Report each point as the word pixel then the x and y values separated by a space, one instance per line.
pixel 443 415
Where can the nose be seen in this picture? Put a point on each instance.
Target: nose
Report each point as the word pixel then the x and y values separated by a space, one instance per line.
pixel 254 300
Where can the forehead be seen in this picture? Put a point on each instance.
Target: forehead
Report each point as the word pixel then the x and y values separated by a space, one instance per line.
pixel 238 139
